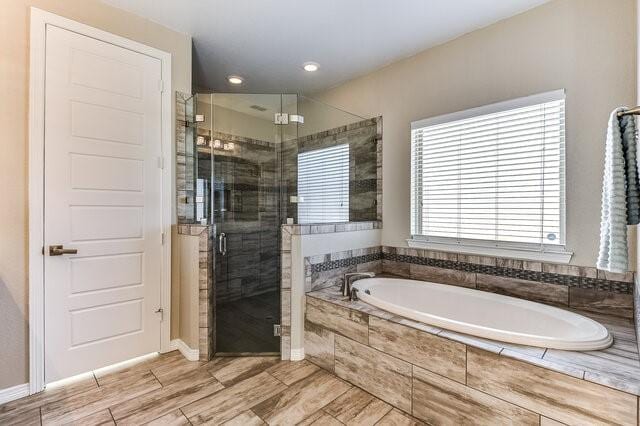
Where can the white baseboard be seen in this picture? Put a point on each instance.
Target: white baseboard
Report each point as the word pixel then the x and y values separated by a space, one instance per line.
pixel 14 392
pixel 297 354
pixel 186 351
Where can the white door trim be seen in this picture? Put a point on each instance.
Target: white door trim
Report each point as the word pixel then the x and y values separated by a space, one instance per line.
pixel 39 21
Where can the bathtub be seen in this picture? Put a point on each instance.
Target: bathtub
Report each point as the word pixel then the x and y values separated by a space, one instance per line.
pixel 482 314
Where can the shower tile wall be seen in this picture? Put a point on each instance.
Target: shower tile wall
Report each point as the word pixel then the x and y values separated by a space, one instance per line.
pixel 636 301
pixel 206 314
pixel 365 168
pixel 245 187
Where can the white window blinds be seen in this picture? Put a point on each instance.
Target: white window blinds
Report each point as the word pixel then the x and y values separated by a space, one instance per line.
pixel 323 185
pixel 492 175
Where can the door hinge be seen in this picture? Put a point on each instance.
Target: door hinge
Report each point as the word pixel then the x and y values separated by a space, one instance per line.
pixel 296 118
pixel 161 85
pixel 277 330
pixel 161 163
pixel 163 237
pixel 281 118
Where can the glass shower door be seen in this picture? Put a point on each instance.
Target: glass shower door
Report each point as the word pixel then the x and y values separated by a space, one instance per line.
pixel 245 187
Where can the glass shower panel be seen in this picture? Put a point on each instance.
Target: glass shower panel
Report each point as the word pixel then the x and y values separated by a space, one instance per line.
pixel 330 166
pixel 186 159
pixel 244 144
pixel 262 160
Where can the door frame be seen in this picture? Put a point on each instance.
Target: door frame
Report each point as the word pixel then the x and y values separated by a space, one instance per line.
pixel 39 21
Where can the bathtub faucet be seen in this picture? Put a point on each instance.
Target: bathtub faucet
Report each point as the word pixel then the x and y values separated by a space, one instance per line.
pixel 348 280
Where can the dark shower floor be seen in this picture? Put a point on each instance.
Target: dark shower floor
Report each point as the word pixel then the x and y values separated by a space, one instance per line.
pixel 246 325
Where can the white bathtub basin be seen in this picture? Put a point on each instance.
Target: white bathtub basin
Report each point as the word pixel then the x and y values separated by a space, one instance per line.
pixel 482 314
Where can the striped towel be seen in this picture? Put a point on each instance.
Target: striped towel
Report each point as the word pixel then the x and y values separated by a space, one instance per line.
pixel 620 193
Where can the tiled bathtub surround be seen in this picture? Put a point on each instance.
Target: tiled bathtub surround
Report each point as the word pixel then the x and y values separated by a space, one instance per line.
pixel 328 270
pixel 443 377
pixel 562 285
pixel 206 319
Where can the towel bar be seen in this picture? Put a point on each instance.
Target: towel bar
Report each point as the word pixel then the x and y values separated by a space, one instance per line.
pixel 632 111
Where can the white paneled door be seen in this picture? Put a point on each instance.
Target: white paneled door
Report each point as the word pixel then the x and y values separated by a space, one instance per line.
pixel 103 198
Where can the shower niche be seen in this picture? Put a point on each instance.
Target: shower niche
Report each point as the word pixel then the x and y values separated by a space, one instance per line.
pixel 251 163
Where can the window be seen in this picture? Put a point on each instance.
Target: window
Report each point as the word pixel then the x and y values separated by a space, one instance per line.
pixel 323 185
pixel 201 199
pixel 491 176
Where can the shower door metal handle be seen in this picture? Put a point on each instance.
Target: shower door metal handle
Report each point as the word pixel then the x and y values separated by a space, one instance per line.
pixel 222 244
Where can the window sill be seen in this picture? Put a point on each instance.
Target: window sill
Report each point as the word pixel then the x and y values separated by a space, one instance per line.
pixel 559 256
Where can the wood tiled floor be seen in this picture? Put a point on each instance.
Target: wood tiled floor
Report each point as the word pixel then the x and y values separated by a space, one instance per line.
pixel 168 389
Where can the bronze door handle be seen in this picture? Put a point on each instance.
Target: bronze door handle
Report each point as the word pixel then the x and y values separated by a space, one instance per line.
pixel 59 250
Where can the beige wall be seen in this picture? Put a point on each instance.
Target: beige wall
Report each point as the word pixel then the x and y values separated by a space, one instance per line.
pixel 587 47
pixel 14 88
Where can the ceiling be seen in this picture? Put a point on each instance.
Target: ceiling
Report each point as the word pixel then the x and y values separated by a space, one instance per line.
pixel 267 41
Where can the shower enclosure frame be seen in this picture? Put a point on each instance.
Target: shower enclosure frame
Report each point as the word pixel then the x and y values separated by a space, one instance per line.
pixel 228 141
pixel 226 205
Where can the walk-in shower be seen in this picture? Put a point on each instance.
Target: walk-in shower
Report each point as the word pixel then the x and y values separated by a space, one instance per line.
pixel 260 161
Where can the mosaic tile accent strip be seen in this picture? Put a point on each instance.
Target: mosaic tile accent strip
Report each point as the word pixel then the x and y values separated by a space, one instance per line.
pixel 365 185
pixel 328 270
pixel 522 274
pixel 342 263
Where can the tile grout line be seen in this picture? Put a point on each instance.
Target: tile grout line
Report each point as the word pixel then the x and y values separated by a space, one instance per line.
pixel 111 414
pixel 178 379
pixel 412 390
pixel 156 377
pixel 185 416
pixel 466 364
pixel 328 414
pixel 286 386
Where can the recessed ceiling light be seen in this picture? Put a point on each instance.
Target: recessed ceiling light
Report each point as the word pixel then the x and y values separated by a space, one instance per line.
pixel 235 79
pixel 310 66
